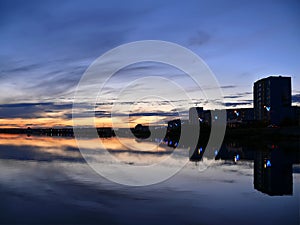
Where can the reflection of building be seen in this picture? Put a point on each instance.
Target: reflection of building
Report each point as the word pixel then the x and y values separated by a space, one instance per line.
pixel 234 150
pixel 272 99
pixel 273 173
pixel 273 166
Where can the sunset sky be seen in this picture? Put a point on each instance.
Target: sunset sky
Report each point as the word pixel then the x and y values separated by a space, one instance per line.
pixel 46 46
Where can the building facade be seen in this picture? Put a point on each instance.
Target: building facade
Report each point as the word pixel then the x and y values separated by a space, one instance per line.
pixel 240 117
pixel 272 99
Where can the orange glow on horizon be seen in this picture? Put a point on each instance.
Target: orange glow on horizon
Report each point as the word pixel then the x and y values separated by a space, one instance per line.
pixel 99 122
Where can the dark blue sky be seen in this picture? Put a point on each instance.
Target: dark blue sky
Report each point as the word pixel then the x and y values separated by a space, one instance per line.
pixel 47 45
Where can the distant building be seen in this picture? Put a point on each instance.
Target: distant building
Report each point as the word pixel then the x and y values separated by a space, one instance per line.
pixel 272 99
pixel 174 124
pixel 242 114
pixel 195 115
pixel 235 117
pixel 239 116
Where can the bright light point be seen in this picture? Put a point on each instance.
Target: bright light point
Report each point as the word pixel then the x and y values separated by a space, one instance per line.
pixel 216 152
pixel 268 108
pixel 268 164
pixel 216 117
pixel 200 150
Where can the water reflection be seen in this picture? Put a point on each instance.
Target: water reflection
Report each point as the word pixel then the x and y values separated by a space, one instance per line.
pixel 50 148
pixel 273 164
pixel 273 172
pixel 45 180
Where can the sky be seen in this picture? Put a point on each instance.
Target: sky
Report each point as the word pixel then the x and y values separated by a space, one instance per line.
pixel 46 46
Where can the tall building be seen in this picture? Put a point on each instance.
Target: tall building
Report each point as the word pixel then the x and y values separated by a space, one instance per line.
pixel 272 99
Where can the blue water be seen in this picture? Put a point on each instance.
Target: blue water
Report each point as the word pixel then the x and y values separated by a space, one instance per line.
pixel 44 180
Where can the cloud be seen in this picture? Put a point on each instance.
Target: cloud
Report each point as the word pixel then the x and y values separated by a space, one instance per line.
pixel 228 86
pixel 102 114
pixel 46 46
pixel 154 114
pixel 56 78
pixel 32 110
pixel 240 103
pixel 43 46
pixel 238 95
pixel 69 29
pixel 33 153
pixel 296 98
pixel 17 67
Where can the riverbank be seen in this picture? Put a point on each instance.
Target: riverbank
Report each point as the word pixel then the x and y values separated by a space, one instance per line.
pixel 241 133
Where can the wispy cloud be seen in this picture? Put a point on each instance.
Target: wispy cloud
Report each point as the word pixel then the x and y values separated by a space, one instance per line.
pixel 247 103
pixel 296 98
pixel 33 110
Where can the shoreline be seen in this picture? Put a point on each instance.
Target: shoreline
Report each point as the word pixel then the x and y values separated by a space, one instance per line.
pixel 247 133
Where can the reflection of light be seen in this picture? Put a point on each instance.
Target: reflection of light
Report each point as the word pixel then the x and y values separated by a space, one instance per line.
pixel 175 144
pixel 60 147
pixel 274 146
pixel 267 164
pixel 236 113
pixel 216 152
pixel 200 150
pixel 170 142
pixel 216 117
pixel 236 158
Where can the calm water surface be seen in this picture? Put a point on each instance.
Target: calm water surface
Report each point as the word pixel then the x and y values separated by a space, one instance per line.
pixel 45 180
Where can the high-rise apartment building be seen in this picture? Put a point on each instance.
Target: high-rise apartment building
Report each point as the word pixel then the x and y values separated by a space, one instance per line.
pixel 272 99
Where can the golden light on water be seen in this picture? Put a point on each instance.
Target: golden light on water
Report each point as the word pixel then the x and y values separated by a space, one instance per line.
pixel 67 147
